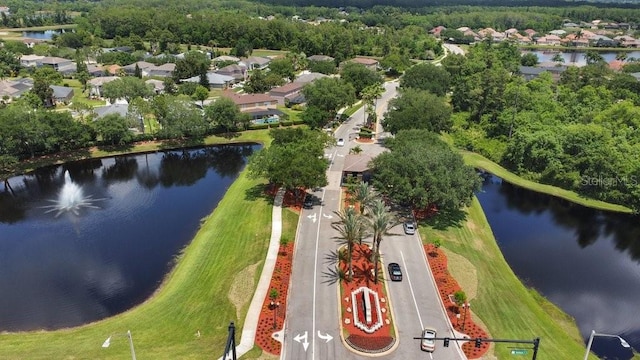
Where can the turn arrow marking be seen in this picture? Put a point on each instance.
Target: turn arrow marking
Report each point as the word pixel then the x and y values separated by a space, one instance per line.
pixel 312 217
pixel 326 338
pixel 299 337
pixel 327 216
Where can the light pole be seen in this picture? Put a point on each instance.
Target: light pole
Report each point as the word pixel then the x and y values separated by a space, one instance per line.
pixel 275 306
pixel 464 316
pixel 107 342
pixel 623 342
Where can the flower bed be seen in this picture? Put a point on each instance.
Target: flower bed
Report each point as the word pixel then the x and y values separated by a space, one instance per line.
pixel 447 286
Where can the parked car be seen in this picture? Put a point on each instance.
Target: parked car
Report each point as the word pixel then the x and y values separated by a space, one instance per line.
pixel 340 142
pixel 428 343
pixel 394 272
pixel 409 227
pixel 308 202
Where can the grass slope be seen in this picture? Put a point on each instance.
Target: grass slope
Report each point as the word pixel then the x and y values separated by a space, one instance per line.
pixel 479 161
pixel 503 303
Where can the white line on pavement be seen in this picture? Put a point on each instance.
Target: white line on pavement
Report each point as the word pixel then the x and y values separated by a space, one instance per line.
pixel 413 295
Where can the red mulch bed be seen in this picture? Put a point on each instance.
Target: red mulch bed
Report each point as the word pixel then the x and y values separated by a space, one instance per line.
pixel 382 339
pixel 280 282
pixel 447 285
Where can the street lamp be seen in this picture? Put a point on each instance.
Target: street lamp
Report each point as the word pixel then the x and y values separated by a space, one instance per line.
pixel 107 342
pixel 623 342
pixel 275 306
pixel 465 306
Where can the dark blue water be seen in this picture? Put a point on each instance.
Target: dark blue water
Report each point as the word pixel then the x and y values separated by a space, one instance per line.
pixel 578 58
pixel 74 269
pixel 585 261
pixel 42 35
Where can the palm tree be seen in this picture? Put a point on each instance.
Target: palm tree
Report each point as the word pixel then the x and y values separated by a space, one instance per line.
pixel 363 195
pixel 381 220
pixel 351 227
pixel 370 95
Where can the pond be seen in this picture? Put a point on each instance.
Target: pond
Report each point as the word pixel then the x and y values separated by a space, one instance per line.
pixel 585 261
pixel 577 57
pixel 87 240
pixel 42 35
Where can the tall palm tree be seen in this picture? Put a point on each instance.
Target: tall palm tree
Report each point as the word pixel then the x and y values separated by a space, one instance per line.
pixel 351 227
pixel 381 220
pixel 363 194
pixel 370 95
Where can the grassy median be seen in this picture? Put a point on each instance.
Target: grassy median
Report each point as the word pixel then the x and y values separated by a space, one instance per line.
pixel 498 299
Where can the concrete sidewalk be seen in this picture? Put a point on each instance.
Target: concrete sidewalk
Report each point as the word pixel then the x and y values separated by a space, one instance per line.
pixel 253 314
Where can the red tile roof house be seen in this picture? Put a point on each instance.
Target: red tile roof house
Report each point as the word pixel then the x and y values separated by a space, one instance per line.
pixel 255 104
pixel 286 91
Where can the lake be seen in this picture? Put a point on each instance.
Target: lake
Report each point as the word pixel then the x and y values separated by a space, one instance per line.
pixel 77 250
pixel 42 35
pixel 585 261
pixel 577 58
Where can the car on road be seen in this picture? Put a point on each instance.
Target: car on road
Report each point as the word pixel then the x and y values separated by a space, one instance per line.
pixel 340 142
pixel 409 227
pixel 308 202
pixel 394 272
pixel 428 342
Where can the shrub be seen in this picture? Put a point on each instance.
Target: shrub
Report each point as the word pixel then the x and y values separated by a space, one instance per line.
pixel 258 126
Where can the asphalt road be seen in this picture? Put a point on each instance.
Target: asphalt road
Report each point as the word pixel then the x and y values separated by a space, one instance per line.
pixel 312 329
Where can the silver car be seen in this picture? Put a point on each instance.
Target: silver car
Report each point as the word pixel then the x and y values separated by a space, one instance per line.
pixel 428 343
pixel 409 227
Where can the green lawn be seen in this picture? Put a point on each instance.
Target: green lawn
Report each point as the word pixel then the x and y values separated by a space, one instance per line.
pixel 480 162
pixel 507 308
pixel 293 114
pixel 194 295
pixel 350 111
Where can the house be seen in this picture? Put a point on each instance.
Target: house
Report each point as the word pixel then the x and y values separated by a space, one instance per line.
pixel 530 32
pixel 616 65
pixel 142 65
pixel 225 58
pixel 30 60
pixel 164 70
pixel 558 32
pixel 68 69
pixel 356 166
pixel 237 71
pixel 216 81
pixel 627 41
pixel 15 88
pixel 575 40
pixel 95 84
pixel 120 109
pixel 530 72
pixel 603 41
pixel 258 106
pixel 256 63
pixel 307 77
pixel 371 64
pixel 549 40
pixel 95 70
pixel 158 86
pixel 286 92
pixel 114 69
pixel 510 32
pixel 570 25
pixel 320 58
pixel 498 36
pixel 54 62
pixel 437 30
pixel 62 94
pixel 485 33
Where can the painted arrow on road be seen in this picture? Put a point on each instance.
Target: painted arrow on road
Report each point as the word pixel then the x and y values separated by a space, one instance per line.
pixel 339 155
pixel 299 337
pixel 312 217
pixel 327 337
pixel 327 216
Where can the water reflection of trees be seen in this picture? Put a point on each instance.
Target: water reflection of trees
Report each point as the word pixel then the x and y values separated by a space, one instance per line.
pixel 587 224
pixel 123 169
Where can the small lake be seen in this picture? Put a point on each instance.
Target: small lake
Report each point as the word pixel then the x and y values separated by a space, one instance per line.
pixel 585 261
pixel 42 35
pixel 65 266
pixel 577 58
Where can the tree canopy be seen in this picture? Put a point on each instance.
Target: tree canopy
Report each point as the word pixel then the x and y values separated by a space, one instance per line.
pixel 417 109
pixel 428 77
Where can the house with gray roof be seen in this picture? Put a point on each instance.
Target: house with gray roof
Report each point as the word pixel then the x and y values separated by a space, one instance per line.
pixel 256 63
pixel 62 94
pixel 30 60
pixel 54 62
pixel 320 58
pixel 142 65
pixel 95 84
pixel 120 109
pixel 309 77
pixel 216 81
pixel 164 70
pixel 13 89
pixel 237 71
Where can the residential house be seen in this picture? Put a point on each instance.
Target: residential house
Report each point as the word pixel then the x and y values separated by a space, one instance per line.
pixel 616 65
pixel 530 32
pixel 575 40
pixel 95 70
pixel 549 40
pixel 164 70
pixel 54 62
pixel 603 41
pixel 225 58
pixel 286 92
pixel 256 63
pixel 570 25
pixel 120 109
pixel 307 77
pixel 142 65
pixel 95 84
pixel 158 85
pixel 437 30
pixel 68 69
pixel 356 166
pixel 485 33
pixel 30 60
pixel 12 89
pixel 463 29
pixel 627 41
pixel 498 36
pixel 371 64
pixel 62 94
pixel 258 106
pixel 559 32
pixel 237 71
pixel 509 33
pixel 320 58
pixel 114 70
pixel 216 81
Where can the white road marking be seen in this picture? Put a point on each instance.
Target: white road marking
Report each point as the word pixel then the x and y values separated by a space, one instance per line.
pixel 327 337
pixel 413 295
pixel 315 281
pixel 305 343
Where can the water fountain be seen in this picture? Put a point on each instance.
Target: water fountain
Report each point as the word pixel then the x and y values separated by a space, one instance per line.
pixel 71 199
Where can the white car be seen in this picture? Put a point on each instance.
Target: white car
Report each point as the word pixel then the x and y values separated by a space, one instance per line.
pixel 428 342
pixel 409 227
pixel 340 142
